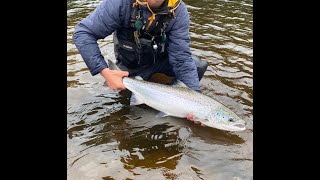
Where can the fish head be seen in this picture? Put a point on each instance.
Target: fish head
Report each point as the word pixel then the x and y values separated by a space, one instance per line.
pixel 224 119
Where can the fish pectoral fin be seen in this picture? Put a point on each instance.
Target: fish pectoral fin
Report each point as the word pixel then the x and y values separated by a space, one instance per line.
pixel 138 77
pixel 135 100
pixel 161 115
pixel 179 83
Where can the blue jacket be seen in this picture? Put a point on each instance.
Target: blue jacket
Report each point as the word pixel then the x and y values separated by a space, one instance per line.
pixel 111 15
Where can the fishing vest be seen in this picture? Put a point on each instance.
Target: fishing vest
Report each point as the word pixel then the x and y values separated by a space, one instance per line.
pixel 143 42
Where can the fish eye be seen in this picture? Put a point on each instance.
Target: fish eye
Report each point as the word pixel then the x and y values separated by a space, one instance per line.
pixel 231 120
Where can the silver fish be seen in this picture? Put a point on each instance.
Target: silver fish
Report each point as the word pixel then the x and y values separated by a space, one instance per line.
pixel 178 100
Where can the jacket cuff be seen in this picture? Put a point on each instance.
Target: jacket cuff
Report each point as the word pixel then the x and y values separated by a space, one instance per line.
pixel 100 67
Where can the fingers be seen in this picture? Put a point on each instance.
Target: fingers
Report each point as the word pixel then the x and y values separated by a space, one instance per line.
pixel 118 86
pixel 192 118
pixel 114 80
pixel 198 122
pixel 120 73
pixel 121 87
pixel 125 73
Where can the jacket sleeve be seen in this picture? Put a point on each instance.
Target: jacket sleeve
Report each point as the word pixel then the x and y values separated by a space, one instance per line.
pixel 102 22
pixel 179 51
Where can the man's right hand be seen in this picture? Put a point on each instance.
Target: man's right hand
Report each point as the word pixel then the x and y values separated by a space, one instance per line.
pixel 114 78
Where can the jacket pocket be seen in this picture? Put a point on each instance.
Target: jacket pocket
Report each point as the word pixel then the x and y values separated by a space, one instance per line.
pixel 128 55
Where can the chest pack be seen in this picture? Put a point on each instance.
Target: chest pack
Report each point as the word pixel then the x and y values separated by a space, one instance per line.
pixel 146 36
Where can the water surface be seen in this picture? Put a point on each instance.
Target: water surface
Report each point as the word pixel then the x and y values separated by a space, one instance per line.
pixel 107 139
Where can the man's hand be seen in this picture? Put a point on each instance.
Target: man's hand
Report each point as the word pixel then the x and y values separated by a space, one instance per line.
pixel 114 78
pixel 191 118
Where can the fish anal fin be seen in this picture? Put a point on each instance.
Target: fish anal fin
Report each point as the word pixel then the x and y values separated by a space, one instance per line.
pixel 161 115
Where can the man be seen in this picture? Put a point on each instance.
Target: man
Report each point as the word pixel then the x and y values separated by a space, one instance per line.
pixel 150 36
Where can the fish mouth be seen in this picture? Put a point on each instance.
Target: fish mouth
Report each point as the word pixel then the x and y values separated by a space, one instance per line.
pixel 236 127
pixel 240 126
pixel 232 128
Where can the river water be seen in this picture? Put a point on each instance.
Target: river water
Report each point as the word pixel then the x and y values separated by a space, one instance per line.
pixel 107 139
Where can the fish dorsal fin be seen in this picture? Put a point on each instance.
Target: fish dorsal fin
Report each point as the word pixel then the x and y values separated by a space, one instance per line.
pixel 179 83
pixel 138 77
pixel 112 65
